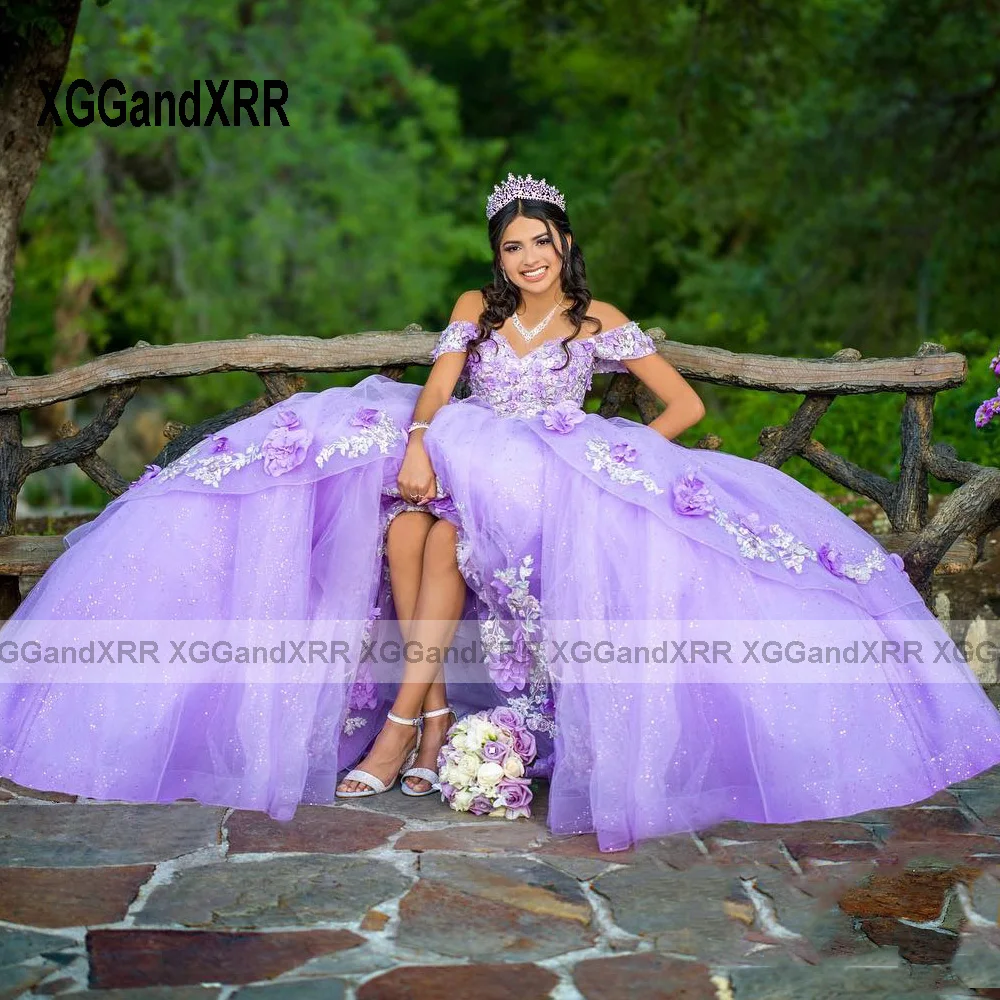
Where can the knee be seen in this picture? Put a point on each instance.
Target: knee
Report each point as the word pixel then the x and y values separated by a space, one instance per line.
pixel 407 533
pixel 439 550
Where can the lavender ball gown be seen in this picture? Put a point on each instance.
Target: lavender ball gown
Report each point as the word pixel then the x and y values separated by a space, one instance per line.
pixel 570 526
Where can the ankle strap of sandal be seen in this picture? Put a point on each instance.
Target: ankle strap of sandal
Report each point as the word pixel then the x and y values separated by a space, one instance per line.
pixel 403 722
pixel 439 711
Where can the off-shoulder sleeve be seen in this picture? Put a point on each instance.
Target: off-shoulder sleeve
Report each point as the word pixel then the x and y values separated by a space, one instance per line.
pixel 623 343
pixel 455 337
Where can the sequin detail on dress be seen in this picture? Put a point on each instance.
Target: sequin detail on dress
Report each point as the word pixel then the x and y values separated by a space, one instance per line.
pixel 526 385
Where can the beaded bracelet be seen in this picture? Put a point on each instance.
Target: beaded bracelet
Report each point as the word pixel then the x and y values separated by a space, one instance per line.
pixel 416 424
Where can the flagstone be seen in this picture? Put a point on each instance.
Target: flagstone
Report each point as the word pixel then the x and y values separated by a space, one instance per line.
pixel 313 829
pixel 275 892
pixel 69 897
pixel 138 958
pixel 461 982
pixel 74 836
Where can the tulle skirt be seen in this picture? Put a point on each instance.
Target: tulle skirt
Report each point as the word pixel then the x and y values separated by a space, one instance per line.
pixel 690 636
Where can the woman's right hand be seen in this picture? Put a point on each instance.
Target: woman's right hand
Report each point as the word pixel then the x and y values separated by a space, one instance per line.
pixel 416 481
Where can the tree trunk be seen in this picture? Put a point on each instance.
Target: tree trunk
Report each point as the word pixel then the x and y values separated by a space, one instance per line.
pixel 23 63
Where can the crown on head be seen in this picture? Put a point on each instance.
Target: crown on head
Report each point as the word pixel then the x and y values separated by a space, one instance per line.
pixel 522 187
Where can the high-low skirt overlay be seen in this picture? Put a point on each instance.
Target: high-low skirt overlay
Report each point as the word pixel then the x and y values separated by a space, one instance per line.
pixel 573 538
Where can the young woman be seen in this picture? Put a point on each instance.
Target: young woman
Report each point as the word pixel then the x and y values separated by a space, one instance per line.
pixel 675 626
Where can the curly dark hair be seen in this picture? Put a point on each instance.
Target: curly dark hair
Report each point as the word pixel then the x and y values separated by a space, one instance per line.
pixel 502 298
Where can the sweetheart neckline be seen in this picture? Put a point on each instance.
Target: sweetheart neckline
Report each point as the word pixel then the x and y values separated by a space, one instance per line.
pixel 499 335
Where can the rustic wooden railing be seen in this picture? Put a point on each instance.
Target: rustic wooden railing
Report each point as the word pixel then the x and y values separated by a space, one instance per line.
pixel 968 513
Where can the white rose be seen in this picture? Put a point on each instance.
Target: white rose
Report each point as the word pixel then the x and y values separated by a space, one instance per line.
pixel 447 774
pixel 513 767
pixel 489 774
pixel 478 729
pixel 467 767
pixel 462 800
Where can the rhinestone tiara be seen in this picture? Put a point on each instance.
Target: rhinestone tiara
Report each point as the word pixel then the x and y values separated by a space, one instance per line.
pixel 522 187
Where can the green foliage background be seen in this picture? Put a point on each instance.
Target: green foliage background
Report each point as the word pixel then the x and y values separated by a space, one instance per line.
pixel 763 176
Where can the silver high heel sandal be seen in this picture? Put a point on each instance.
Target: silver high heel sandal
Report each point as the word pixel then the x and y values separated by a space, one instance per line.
pixel 376 786
pixel 424 772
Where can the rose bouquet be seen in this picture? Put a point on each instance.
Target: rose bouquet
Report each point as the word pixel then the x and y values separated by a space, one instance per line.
pixel 483 763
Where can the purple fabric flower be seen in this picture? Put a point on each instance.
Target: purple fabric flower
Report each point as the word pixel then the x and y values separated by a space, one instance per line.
pixel 623 452
pixel 365 417
pixel 563 416
pixel 363 691
pixel 831 559
pixel 219 443
pixel 285 417
pixel 495 752
pixel 152 471
pixel 509 672
pixel 507 717
pixel 285 447
pixel 897 561
pixel 692 497
pixel 480 806
pixel 515 792
pixel 548 705
pixel 524 745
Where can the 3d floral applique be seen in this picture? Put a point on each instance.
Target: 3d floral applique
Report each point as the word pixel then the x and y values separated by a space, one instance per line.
pixel 376 430
pixel 618 461
pixel 285 447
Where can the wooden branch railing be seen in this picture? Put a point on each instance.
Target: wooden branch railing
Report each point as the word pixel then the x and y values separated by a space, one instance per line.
pixel 969 512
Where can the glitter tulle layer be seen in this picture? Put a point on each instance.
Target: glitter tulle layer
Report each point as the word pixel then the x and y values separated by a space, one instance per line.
pixel 565 519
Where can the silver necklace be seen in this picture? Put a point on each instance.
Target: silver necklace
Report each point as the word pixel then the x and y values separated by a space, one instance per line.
pixel 529 335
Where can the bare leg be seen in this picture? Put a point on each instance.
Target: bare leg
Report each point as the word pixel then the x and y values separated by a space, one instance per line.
pixel 405 552
pixel 431 627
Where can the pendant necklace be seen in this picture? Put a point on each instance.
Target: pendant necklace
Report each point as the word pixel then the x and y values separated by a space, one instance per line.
pixel 529 335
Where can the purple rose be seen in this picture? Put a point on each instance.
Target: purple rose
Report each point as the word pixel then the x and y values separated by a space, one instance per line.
pixel 831 559
pixel 515 792
pixel 285 447
pixel 524 745
pixel 447 791
pixel 563 416
pixel 152 471
pixel 480 806
pixel 691 497
pixel 495 752
pixel 623 452
pixel 995 365
pixel 507 717
pixel 365 417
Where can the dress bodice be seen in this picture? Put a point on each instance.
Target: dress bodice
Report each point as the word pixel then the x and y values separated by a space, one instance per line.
pixel 514 385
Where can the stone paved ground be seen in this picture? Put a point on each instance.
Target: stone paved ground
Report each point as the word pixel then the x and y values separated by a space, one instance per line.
pixel 398 898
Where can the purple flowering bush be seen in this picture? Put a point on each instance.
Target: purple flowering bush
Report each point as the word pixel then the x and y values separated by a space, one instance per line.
pixel 989 408
pixel 483 764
